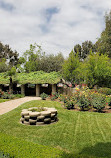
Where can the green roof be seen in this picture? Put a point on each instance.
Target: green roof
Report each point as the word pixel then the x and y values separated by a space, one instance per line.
pixel 38 77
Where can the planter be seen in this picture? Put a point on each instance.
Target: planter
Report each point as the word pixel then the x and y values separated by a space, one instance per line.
pixel 48 116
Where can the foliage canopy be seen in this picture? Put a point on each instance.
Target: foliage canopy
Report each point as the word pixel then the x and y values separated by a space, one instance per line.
pixel 37 77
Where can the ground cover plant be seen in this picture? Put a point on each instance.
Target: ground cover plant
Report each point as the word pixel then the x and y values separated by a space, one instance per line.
pixel 4 100
pixel 79 134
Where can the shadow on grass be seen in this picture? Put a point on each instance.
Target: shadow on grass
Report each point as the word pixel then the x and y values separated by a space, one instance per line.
pixel 100 150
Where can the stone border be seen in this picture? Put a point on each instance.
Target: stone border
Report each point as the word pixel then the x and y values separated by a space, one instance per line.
pixel 48 116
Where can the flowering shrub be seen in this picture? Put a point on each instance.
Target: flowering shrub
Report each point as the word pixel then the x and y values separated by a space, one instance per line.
pixel 69 104
pixel 98 102
pixel 86 99
pixel 1 92
pixel 63 98
pixel 67 100
pixel 54 96
pixel 83 103
pixel 7 95
pixel 108 100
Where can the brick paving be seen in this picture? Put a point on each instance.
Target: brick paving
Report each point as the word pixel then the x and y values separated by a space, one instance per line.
pixel 12 104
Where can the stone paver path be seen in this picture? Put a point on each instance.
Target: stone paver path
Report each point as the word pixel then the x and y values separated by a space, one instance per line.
pixel 12 104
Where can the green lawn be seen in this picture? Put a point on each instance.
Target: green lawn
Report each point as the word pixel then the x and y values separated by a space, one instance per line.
pixel 4 100
pixel 81 133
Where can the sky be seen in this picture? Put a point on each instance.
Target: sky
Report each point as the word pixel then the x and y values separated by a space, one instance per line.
pixel 56 25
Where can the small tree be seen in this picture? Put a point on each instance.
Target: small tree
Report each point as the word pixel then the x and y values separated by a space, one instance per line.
pixel 95 70
pixel 70 66
pixel 104 42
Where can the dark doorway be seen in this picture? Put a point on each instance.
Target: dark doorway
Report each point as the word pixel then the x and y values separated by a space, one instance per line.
pixel 46 89
pixel 5 87
pixel 30 90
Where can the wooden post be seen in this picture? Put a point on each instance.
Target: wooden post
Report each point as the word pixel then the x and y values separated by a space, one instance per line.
pixel 37 90
pixel 54 88
pixel 23 89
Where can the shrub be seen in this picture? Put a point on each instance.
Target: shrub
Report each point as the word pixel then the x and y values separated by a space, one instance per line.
pixel 19 95
pixel 43 96
pixel 98 102
pixel 63 98
pixel 69 104
pixel 54 96
pixel 108 100
pixel 7 95
pixel 1 92
pixel 106 91
pixel 83 103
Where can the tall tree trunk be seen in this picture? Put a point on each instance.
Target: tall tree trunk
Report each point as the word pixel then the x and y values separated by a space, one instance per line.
pixel 11 86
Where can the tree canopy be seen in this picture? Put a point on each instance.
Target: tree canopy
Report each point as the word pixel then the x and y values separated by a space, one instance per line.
pixel 70 66
pixel 35 59
pixel 7 53
pixel 104 42
pixel 84 50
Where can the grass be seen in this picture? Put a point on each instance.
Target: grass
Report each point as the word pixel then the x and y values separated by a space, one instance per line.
pixel 4 100
pixel 82 133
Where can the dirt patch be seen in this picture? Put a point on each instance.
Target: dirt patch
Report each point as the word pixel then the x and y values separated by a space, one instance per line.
pixel 105 110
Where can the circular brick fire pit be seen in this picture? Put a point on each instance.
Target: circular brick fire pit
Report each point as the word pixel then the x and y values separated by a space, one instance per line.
pixel 32 116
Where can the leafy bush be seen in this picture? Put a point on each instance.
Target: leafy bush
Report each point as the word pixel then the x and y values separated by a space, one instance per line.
pixel 108 100
pixel 43 96
pixel 1 92
pixel 98 102
pixel 83 103
pixel 96 70
pixel 7 95
pixel 106 91
pixel 69 104
pixel 63 98
pixel 54 96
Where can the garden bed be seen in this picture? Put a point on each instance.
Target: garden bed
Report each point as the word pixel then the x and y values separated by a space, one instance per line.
pixel 105 110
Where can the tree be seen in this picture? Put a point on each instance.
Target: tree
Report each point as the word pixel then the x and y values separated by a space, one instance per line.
pixel 3 66
pixel 70 66
pixel 36 60
pixel 87 47
pixel 104 42
pixel 10 56
pixel 95 70
pixel 84 50
pixel 31 57
pixel 78 49
pixel 49 63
